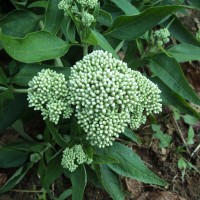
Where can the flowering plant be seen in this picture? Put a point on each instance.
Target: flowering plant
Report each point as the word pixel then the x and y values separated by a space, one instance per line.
pixel 66 68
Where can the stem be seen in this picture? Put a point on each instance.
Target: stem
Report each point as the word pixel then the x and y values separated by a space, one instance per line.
pixel 85 49
pixel 59 62
pixel 2 88
pixel 28 191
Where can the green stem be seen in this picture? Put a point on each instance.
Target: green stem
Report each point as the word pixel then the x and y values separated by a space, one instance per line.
pixel 85 49
pixel 59 62
pixel 2 88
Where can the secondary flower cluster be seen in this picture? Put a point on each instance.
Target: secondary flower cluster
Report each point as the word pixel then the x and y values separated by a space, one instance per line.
pixel 80 9
pixel 108 96
pixel 72 157
pixel 162 36
pixel 48 93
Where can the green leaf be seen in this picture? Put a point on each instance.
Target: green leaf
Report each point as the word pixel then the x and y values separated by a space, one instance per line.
pixel 56 136
pixel 19 127
pixel 132 27
pixel 111 183
pixel 79 181
pixel 178 31
pixel 126 6
pixel 131 135
pixel 165 139
pixel 54 17
pixel 52 171
pixel 15 178
pixel 28 71
pixel 12 111
pixel 104 18
pixel 104 159
pixel 95 38
pixel 196 3
pixel 169 71
pixel 190 139
pixel 39 4
pixel 12 157
pixel 35 47
pixel 185 52
pixel 3 78
pixel 130 165
pixel 169 97
pixel 4 96
pixel 65 194
pixel 19 23
pixel 188 119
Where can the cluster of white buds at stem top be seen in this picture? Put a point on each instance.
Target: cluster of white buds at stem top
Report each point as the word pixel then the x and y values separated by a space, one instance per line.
pixel 80 9
pixel 162 36
pixel 108 96
pixel 72 157
pixel 48 92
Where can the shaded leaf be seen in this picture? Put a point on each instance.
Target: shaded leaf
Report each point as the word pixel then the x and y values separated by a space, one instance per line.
pixel 53 17
pixel 56 136
pixel 79 181
pixel 178 31
pixel 111 183
pixel 19 23
pixel 126 6
pixel 12 111
pixel 52 171
pixel 15 178
pixel 12 157
pixel 28 71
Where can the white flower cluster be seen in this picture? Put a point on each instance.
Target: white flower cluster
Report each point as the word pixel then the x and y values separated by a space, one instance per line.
pixel 48 92
pixel 80 9
pixel 108 96
pixel 162 36
pixel 72 157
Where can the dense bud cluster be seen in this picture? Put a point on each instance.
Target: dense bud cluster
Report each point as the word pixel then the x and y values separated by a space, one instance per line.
pixel 108 96
pixel 162 36
pixel 80 9
pixel 48 92
pixel 72 157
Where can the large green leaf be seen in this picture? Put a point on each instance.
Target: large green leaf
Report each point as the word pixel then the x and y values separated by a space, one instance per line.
pixel 131 165
pixel 54 17
pixel 12 157
pixel 28 71
pixel 95 38
pixel 126 6
pixel 185 52
pixel 19 23
pixel 12 111
pixel 35 47
pixel 169 97
pixel 169 71
pixel 15 178
pixel 132 27
pixel 79 181
pixel 111 183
